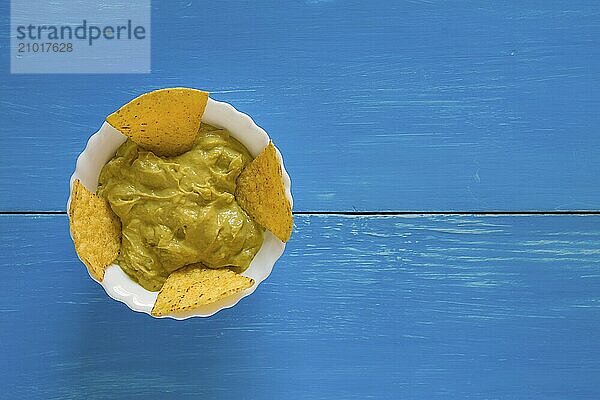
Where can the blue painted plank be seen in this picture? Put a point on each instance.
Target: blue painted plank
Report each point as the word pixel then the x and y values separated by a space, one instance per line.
pixel 380 307
pixel 376 105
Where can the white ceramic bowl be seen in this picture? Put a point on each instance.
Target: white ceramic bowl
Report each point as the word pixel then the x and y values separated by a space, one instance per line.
pixel 102 146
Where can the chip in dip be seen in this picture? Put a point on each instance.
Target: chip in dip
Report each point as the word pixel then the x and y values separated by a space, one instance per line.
pixel 180 210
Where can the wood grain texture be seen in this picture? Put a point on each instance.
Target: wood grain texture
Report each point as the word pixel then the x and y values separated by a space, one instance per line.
pixel 378 105
pixel 381 307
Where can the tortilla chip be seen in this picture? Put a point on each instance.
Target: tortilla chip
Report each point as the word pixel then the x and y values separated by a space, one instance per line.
pixel 95 228
pixel 195 285
pixel 164 121
pixel 261 194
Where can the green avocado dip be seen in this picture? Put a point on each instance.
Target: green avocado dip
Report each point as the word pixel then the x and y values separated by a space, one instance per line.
pixel 180 210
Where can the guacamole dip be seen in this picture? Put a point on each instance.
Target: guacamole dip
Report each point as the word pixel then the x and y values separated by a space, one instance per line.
pixel 180 210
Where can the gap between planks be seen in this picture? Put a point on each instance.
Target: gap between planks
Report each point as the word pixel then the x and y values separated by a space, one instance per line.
pixel 378 213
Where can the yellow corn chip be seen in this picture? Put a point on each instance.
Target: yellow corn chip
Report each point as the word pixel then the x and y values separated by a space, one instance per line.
pixel 164 121
pixel 261 194
pixel 194 286
pixel 95 228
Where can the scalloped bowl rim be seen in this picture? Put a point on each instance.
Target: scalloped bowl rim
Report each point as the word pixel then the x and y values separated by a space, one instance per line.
pixel 102 146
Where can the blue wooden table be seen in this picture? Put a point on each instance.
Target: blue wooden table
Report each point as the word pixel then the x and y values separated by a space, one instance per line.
pixel 445 160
